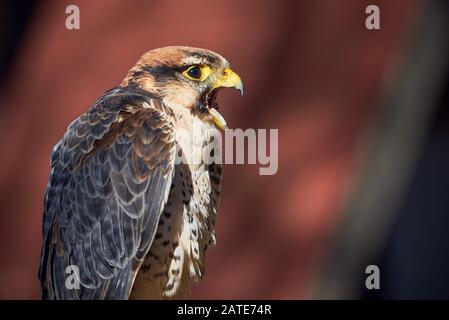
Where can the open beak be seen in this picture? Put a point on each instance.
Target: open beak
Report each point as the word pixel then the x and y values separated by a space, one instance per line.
pixel 228 80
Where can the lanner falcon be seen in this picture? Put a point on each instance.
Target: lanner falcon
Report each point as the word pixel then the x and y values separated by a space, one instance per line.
pixel 134 222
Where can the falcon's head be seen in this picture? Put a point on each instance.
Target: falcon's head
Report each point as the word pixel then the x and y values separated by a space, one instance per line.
pixel 185 77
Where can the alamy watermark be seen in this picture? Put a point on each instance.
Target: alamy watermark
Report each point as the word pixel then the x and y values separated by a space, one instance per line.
pixel 372 22
pixel 72 22
pixel 73 279
pixel 373 280
pixel 249 146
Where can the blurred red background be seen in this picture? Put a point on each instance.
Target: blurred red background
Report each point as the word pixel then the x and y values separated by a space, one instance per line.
pixel 311 69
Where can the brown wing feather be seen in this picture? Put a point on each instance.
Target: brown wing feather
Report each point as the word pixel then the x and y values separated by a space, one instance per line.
pixel 109 181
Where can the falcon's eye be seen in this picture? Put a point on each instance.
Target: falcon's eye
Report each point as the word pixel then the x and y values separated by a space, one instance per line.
pixel 194 72
pixel 197 72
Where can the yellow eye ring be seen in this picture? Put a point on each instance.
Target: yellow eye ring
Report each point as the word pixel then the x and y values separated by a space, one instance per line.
pixel 197 73
pixel 194 72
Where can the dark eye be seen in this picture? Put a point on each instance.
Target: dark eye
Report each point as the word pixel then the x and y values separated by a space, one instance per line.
pixel 194 72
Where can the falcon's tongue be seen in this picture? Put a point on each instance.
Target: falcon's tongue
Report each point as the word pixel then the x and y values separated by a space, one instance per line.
pixel 218 119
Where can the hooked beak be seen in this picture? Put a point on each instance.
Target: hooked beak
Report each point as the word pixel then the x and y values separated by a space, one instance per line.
pixel 230 79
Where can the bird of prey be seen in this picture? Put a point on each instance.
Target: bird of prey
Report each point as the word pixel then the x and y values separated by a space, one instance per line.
pixel 134 222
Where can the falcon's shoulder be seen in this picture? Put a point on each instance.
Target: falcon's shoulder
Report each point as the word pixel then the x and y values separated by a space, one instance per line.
pixel 110 177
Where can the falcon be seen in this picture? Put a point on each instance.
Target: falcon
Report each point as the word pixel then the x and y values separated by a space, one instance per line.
pixel 119 211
